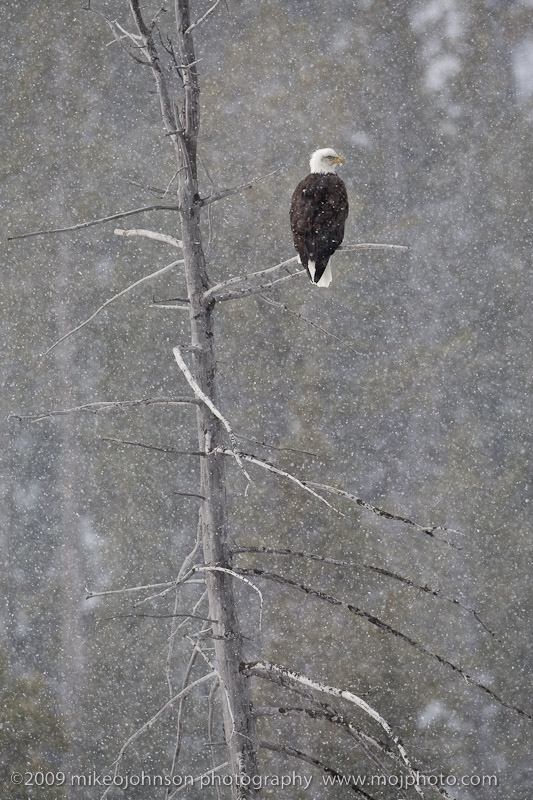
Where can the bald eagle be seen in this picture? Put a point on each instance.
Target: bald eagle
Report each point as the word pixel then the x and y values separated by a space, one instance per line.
pixel 319 208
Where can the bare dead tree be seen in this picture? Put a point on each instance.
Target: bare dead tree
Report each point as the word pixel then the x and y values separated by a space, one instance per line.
pixel 210 563
pixel 182 124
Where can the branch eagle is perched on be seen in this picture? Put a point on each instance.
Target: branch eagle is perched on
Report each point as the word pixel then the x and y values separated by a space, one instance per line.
pixel 319 208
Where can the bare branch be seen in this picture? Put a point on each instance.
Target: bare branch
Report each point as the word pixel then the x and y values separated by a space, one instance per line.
pixel 274 447
pixel 259 668
pixel 161 10
pixel 167 113
pixel 373 620
pixel 181 705
pixel 172 300
pixel 243 279
pixel 112 300
pixel 159 237
pixel 134 42
pixel 279 551
pixel 429 530
pixel 117 39
pixel 223 193
pixel 323 711
pixel 198 392
pixel 190 65
pixel 80 225
pixel 283 473
pixel 109 405
pixel 201 777
pixel 415 781
pixel 220 288
pixel 154 447
pixel 134 37
pixel 203 18
pixel 194 610
pixel 294 753
pixel 373 246
pixel 247 291
pixel 221 682
pixel 184 616
pixel 210 723
pixel 310 322
pixel 89 595
pixel 241 578
pixel 364 739
pixel 184 570
pixel 155 190
pixel 311 485
pixel 307 486
pixel 210 405
pixel 183 578
pixel 147 725
pixel 170 306
pixel 179 137
pixel 174 303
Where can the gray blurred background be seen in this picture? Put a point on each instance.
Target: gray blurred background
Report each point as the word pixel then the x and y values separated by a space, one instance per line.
pixel 431 105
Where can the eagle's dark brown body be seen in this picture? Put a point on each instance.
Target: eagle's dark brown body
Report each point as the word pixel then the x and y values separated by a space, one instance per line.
pixel 319 208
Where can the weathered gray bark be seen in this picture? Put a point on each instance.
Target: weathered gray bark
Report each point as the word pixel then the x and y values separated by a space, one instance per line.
pixel 184 126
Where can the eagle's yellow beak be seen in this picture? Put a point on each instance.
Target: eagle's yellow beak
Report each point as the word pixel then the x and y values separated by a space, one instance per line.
pixel 338 160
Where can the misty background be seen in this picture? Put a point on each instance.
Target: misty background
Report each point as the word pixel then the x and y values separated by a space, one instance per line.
pixel 423 408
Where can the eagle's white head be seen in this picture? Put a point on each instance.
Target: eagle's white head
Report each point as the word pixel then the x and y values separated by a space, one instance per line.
pixel 325 160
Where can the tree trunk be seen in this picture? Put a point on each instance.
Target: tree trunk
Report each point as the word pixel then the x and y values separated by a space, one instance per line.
pixel 235 689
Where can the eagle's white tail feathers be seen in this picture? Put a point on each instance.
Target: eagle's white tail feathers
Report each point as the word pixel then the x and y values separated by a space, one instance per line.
pixel 325 280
